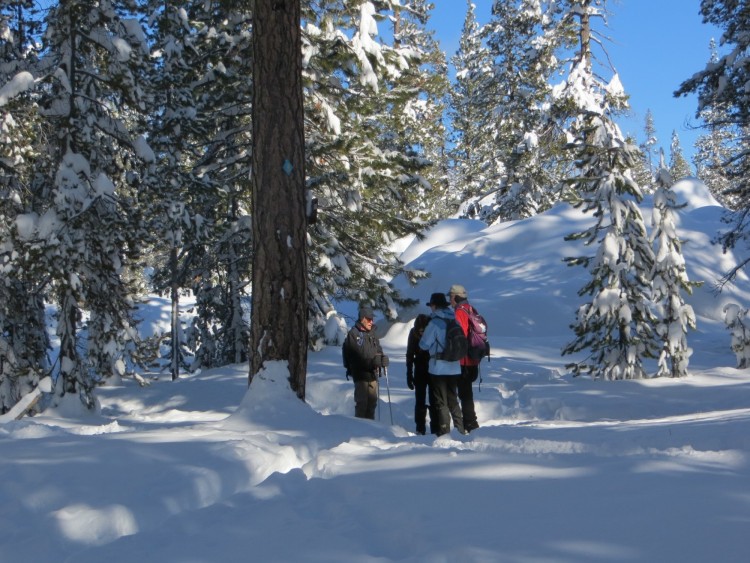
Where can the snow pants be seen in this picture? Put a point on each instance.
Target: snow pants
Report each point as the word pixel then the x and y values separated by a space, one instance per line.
pixel 365 398
pixel 446 407
pixel 423 392
pixel 466 396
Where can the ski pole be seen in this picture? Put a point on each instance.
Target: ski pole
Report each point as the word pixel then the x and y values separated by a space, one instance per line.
pixel 378 393
pixel 388 387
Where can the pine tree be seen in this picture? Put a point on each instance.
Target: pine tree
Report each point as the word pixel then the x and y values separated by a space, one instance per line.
pixel 645 177
pixel 419 93
pixel 615 326
pixel 90 95
pixel 670 280
pixel 279 314
pixel 174 138
pixel 201 135
pixel 721 86
pixel 713 150
pixel 224 102
pixel 735 318
pixel 641 173
pixel 678 166
pixel 524 64
pixel 363 179
pixel 475 169
pixel 24 341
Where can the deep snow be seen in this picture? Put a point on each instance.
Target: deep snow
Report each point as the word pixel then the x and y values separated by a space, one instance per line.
pixel 562 469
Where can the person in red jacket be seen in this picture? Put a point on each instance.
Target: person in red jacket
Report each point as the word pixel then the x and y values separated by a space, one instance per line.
pixel 469 367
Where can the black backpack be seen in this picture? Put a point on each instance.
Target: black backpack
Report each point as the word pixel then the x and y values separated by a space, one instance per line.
pixel 456 343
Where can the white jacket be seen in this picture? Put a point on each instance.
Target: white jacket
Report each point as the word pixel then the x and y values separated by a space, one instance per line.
pixel 433 340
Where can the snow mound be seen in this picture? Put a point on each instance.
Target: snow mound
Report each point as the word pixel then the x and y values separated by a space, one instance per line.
pixel 694 194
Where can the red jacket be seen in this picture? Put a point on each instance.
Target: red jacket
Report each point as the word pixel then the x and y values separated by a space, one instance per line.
pixel 462 317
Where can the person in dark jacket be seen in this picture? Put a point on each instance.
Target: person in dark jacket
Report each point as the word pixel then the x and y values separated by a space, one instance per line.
pixel 444 375
pixel 469 367
pixel 418 377
pixel 363 358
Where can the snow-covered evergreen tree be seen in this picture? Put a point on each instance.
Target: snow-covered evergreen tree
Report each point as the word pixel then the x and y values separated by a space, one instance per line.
pixel 419 96
pixel 713 151
pixel 641 174
pixel 524 64
pixel 472 155
pixel 201 135
pixel 670 281
pixel 90 95
pixel 735 318
pixel 224 100
pixel 175 138
pixel 361 178
pixel 678 165
pixel 647 147
pixel 722 86
pixel 714 148
pixel 23 337
pixel 614 328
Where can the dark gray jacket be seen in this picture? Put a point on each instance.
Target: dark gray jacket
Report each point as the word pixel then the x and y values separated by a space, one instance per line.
pixel 359 351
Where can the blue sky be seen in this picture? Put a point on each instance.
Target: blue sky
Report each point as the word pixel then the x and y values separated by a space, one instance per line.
pixel 657 44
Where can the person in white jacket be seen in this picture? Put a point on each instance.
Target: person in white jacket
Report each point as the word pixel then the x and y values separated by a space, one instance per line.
pixel 444 375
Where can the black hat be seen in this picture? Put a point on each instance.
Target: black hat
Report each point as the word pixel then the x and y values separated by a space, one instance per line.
pixel 366 312
pixel 439 300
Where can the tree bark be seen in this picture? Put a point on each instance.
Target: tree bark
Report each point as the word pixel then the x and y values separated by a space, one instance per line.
pixel 585 38
pixel 279 303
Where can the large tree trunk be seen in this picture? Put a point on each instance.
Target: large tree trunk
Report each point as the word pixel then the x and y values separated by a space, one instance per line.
pixel 279 316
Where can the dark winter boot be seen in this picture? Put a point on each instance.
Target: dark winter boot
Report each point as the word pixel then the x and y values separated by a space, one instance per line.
pixel 420 417
pixel 433 420
pixel 458 419
pixel 444 421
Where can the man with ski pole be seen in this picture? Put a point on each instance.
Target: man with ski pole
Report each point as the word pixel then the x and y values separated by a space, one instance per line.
pixel 363 360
